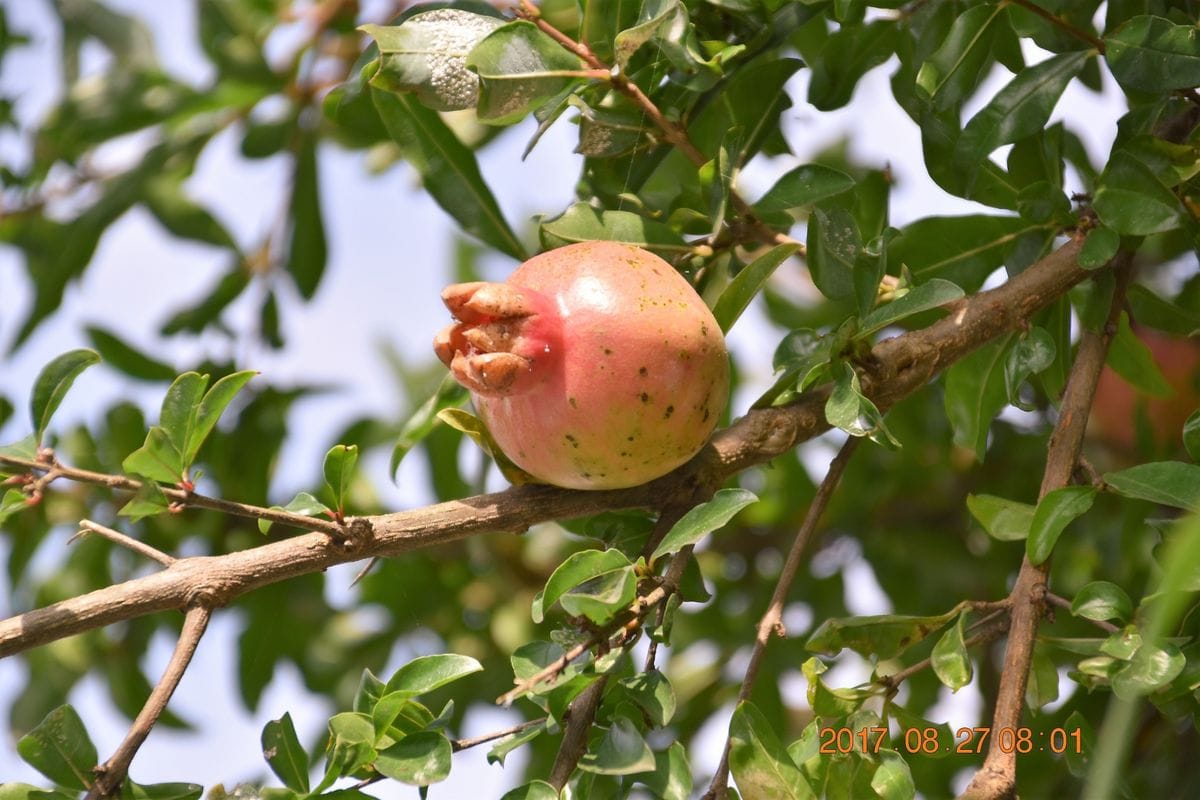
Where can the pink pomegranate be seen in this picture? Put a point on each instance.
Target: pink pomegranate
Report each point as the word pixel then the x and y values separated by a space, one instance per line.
pixel 595 366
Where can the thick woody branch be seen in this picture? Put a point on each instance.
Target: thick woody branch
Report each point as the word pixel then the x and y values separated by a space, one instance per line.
pixel 111 774
pixel 997 778
pixel 895 369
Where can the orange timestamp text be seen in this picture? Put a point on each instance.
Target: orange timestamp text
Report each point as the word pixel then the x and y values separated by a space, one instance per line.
pixel 932 740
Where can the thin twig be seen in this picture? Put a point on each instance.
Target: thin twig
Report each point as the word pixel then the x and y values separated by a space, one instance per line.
pixel 1062 24
pixel 87 526
pixel 771 623
pixel 580 717
pixel 1062 602
pixel 464 744
pixel 993 627
pixel 111 774
pixel 997 778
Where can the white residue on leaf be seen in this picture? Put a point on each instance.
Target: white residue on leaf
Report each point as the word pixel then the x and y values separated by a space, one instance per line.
pixel 449 35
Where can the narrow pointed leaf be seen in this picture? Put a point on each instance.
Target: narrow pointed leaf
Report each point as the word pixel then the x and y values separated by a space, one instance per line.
pixel 52 384
pixel 758 762
pixel 803 186
pixel 747 284
pixel 60 748
pixel 426 673
pixel 215 401
pixel 1054 512
pixel 1170 483
pixel 284 753
pixel 704 519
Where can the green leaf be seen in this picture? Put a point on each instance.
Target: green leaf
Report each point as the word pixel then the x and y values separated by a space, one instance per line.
pixel 927 296
pixel 621 751
pixel 157 459
pixel 418 759
pixel 284 753
pixel 426 673
pixel 148 501
pixel 827 701
pixel 1005 520
pixel 583 223
pixel 747 284
pixel 652 691
pixel 450 394
pixel 955 68
pixel 885 636
pixel 577 568
pixel 307 250
pixel 500 751
pixel 1152 54
pixel 1020 109
pixel 1101 600
pixel 975 394
pixel 834 245
pixel 473 427
pixel 757 760
pixel 600 598
pixel 950 660
pixel 448 170
pixel 519 69
pixel 215 401
pixel 803 186
pixel 427 54
pixel 666 23
pixel 1132 359
pixel 963 250
pixel 703 520
pixel 1155 312
pixel 59 747
pixel 893 779
pixel 339 472
pixel 1054 512
pixel 1191 436
pixel 847 56
pixel 1099 248
pixel 52 384
pixel 164 196
pixel 303 503
pixel 1131 200
pixel 534 790
pixel 1150 669
pixel 120 355
pixel 1042 686
pixel 853 412
pixel 160 791
pixel 12 502
pixel 1169 483
pixel 350 746
pixel 1033 353
pixel 672 777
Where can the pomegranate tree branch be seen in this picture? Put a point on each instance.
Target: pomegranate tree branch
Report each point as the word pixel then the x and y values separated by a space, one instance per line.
pixel 895 369
pixel 86 526
pixel 997 778
pixel 771 623
pixel 1062 24
pixel 111 774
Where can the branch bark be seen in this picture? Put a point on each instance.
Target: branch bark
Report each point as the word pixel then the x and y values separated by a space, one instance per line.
pixel 895 369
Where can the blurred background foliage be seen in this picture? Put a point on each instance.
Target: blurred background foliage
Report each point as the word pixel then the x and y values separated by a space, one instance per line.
pixel 899 537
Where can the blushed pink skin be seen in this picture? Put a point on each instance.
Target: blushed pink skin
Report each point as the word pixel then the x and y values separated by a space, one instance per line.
pixel 595 366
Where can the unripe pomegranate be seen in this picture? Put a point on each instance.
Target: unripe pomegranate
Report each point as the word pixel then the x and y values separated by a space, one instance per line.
pixel 595 366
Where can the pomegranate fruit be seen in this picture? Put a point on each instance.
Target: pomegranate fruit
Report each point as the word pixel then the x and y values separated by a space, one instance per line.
pixel 595 366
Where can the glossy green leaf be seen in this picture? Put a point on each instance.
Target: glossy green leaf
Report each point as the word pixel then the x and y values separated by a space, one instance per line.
pixel 450 394
pixel 950 660
pixel 703 520
pixel 473 426
pixel 426 673
pixel 1153 311
pixel 803 186
pixel 1020 109
pixel 1099 248
pixel 52 384
pixel 120 355
pixel 349 748
pixel 1132 359
pixel 1101 600
pixel 963 250
pixel 534 790
pixel 847 56
pixel 519 69
pixel 583 223
pixel 1054 512
pixel 339 471
pixel 1005 520
pixel 1152 54
pixel 926 296
pixel 60 749
pixel 1032 353
pixel 215 401
pixel 956 67
pixel 1169 483
pixel 748 283
pixel 1131 200
pixel 159 791
pixel 1042 685
pixel 620 751
pixel 827 701
pixel 12 502
pixel 500 751
pixel 885 636
pixel 975 394
pixel 396 714
pixel 577 568
pixel 148 501
pixel 757 760
pixel 834 246
pixel 1150 669
pixel 448 169
pixel 157 459
pixel 848 409
pixel 666 24
pixel 419 759
pixel 427 54
pixel 893 779
pixel 652 691
pixel 600 598
pixel 284 753
pixel 672 777
pixel 303 503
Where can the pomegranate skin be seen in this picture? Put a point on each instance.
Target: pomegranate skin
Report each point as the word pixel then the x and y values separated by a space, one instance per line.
pixel 594 366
